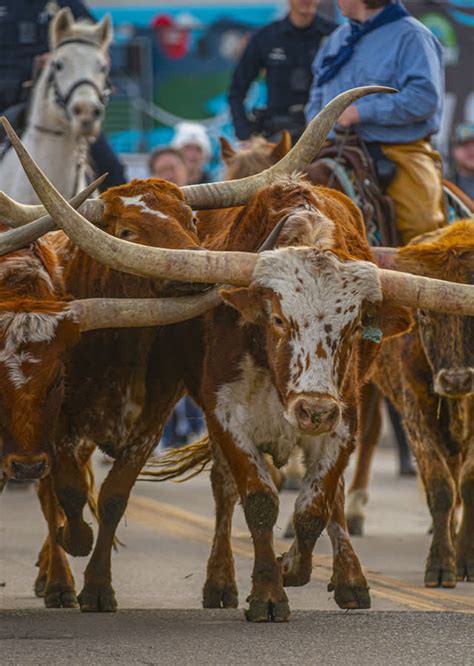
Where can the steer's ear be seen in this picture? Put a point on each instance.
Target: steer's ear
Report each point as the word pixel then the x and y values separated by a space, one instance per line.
pixel 249 302
pixel 282 147
pixel 227 152
pixel 394 320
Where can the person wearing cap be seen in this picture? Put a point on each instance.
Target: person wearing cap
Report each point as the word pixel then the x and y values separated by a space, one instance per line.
pixel 463 158
pixel 285 50
pixel 383 44
pixel 193 142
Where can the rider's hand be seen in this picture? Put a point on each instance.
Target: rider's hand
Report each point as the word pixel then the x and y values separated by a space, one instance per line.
pixel 349 117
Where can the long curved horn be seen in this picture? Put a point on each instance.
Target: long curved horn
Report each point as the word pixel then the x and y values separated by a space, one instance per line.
pixel 16 214
pixel 416 291
pixel 15 239
pixel 234 268
pixel 237 192
pixel 97 313
pixel 385 256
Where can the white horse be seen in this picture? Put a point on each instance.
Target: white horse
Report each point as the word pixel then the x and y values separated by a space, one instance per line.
pixel 66 109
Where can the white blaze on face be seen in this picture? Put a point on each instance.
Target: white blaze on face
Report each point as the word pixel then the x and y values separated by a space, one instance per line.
pixel 138 201
pixel 321 298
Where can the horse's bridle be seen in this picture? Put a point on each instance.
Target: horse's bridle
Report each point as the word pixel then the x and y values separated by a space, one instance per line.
pixel 62 100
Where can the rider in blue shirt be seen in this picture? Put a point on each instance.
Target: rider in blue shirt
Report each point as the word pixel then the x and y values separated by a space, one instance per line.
pixel 383 44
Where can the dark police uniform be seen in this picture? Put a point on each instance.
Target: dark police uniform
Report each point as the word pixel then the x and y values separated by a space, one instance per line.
pixel 286 53
pixel 24 32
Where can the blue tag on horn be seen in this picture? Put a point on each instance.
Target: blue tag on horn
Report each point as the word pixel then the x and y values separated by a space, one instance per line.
pixel 372 334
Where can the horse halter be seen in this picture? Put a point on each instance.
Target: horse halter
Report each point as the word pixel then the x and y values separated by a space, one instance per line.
pixel 62 100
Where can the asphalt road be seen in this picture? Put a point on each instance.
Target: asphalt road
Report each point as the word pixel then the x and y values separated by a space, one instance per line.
pixel 158 576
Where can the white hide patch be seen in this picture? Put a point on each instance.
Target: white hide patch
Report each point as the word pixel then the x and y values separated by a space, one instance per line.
pixel 322 296
pixel 138 201
pixel 22 328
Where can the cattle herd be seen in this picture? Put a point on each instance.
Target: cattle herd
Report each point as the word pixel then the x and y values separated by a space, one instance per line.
pixel 261 298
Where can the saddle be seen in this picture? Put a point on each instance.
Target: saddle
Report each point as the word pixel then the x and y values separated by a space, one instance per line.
pixel 347 166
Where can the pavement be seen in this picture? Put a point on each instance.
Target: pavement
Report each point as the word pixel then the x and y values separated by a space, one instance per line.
pixel 159 572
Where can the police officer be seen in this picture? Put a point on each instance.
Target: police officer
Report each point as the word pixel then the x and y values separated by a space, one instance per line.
pixel 24 26
pixel 285 49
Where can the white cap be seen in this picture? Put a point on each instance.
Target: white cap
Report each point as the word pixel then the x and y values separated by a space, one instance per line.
pixel 194 134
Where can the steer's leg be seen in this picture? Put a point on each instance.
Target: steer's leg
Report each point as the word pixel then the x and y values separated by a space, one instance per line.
pixel 71 488
pixel 59 589
pixel 42 563
pixel 220 589
pixel 326 458
pixel 348 582
pixel 440 568
pixel 267 600
pixel 465 538
pixel 370 424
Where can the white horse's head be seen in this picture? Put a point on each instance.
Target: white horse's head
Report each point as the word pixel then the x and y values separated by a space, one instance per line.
pixel 78 72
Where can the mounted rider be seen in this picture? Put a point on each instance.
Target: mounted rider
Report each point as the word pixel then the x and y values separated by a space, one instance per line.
pixel 24 31
pixel 383 44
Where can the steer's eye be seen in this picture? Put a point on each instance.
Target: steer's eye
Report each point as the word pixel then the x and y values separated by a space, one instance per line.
pixel 125 233
pixel 278 322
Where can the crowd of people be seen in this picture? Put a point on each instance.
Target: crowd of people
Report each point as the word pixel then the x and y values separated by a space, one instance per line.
pixel 308 59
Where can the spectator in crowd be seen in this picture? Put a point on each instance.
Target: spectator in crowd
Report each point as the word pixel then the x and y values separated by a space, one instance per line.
pixel 24 27
pixel 192 140
pixel 169 164
pixel 382 43
pixel 463 158
pixel 285 49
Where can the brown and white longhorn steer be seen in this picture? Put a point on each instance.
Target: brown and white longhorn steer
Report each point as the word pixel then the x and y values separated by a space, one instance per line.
pixel 429 375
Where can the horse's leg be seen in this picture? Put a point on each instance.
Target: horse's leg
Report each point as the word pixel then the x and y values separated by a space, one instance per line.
pixel 348 582
pixel 370 425
pixel 59 590
pixel 220 589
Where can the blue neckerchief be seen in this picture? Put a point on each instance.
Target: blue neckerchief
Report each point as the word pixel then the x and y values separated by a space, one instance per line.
pixel 332 64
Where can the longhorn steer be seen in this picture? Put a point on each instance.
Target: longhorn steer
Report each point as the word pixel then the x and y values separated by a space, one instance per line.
pixel 429 375
pixel 301 410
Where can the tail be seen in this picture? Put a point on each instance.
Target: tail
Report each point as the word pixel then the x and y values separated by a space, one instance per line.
pixel 175 463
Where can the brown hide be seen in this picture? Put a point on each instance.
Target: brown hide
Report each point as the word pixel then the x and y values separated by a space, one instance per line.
pixel 35 330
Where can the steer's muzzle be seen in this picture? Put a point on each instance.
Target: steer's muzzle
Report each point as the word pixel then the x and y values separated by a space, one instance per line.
pixel 314 415
pixel 454 382
pixel 22 468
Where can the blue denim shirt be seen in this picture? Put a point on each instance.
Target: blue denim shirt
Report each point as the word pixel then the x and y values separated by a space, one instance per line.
pixel 404 55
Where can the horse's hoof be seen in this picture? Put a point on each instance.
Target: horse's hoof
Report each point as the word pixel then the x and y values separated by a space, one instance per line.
pixel 98 599
pixel 216 596
pixel 355 525
pixel 60 596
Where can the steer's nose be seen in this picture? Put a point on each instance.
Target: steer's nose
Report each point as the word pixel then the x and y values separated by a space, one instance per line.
pixel 316 415
pixel 22 468
pixel 454 382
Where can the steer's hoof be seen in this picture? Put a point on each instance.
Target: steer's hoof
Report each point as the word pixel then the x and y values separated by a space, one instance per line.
pixel 440 576
pixel 217 596
pixel 350 596
pixel 40 585
pixel 60 596
pixel 355 525
pixel 77 542
pixel 268 611
pixel 95 599
pixel 465 568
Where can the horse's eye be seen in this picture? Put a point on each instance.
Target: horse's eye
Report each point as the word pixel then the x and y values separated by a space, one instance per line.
pixel 104 68
pixel 125 233
pixel 58 65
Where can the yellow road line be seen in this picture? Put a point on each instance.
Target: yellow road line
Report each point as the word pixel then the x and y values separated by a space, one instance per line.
pixel 161 516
